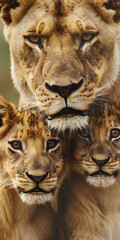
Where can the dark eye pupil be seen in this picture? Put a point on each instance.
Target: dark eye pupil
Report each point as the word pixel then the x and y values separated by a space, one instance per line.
pixel 16 145
pixel 115 133
pixel 34 39
pixel 87 36
pixel 51 143
pixel 85 133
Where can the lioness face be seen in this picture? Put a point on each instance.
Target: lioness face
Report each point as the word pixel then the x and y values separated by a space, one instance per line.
pixel 32 158
pixel 97 148
pixel 62 54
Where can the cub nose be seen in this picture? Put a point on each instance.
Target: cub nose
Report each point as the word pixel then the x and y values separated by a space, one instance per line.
pixel 37 179
pixel 64 91
pixel 100 162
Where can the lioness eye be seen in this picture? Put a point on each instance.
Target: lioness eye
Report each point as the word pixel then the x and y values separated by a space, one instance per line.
pixel 88 36
pixel 52 143
pixel 17 145
pixel 115 133
pixel 35 39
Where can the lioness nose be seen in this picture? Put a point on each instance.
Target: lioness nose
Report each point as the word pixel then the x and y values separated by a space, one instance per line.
pixel 100 162
pixel 64 91
pixel 37 179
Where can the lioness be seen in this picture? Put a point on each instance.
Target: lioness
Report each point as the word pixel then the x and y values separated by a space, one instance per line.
pixel 91 193
pixel 64 53
pixel 31 164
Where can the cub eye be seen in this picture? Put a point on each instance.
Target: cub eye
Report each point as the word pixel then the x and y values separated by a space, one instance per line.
pixel 17 145
pixel 35 39
pixel 115 133
pixel 84 133
pixel 52 143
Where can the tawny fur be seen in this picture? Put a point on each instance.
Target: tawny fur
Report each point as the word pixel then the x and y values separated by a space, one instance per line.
pixel 89 206
pixel 64 54
pixel 24 149
pixel 21 221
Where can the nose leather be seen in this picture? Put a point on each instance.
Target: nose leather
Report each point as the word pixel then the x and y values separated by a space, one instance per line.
pixel 100 162
pixel 64 91
pixel 37 179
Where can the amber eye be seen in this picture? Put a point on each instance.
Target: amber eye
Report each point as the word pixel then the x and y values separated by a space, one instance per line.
pixel 17 145
pixel 84 133
pixel 86 37
pixel 35 39
pixel 52 143
pixel 115 133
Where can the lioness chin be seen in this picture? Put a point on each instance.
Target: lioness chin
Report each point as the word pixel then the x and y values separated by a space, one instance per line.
pixel 63 54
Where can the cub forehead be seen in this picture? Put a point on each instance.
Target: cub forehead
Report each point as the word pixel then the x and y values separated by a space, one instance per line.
pixel 104 115
pixel 31 124
pixel 30 118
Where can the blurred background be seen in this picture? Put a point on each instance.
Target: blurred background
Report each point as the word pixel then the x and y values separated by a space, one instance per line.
pixel 6 86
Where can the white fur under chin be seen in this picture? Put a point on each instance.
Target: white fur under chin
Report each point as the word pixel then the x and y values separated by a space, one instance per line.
pixel 68 122
pixel 36 198
pixel 101 181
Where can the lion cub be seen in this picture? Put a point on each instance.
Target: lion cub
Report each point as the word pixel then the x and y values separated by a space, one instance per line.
pixel 31 163
pixel 89 203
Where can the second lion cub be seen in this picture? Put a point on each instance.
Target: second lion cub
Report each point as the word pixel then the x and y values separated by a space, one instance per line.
pixel 31 163
pixel 91 193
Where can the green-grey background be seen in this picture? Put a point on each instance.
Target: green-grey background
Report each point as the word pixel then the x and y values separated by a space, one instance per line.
pixel 6 86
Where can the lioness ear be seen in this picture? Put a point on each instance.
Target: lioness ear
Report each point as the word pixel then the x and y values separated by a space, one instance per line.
pixel 5 9
pixel 113 5
pixel 7 114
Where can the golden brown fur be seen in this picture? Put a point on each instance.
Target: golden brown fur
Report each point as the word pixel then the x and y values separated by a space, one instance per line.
pixel 89 203
pixel 75 57
pixel 31 164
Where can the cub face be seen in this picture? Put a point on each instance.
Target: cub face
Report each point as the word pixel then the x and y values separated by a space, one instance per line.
pixel 61 59
pixel 31 156
pixel 97 148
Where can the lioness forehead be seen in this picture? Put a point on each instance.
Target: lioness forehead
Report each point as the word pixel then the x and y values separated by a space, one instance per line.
pixel 58 8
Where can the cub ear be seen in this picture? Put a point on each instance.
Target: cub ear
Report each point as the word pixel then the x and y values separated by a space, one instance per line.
pixel 7 115
pixel 116 108
pixel 113 5
pixel 118 104
pixel 5 9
